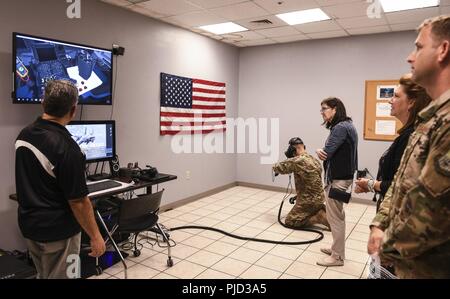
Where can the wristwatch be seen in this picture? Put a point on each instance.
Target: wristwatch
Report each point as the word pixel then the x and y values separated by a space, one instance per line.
pixel 370 185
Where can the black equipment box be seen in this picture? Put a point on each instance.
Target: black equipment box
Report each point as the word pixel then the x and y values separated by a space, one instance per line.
pixel 13 268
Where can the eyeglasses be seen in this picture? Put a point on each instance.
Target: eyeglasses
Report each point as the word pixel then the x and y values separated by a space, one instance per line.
pixel 324 109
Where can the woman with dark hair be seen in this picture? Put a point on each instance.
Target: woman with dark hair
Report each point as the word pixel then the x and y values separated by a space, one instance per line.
pixel 409 99
pixel 340 156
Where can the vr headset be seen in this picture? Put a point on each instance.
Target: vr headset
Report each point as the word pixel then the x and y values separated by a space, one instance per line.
pixel 291 151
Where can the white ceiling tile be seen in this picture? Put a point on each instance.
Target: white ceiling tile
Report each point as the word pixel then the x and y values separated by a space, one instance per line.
pixel 240 45
pixel 406 26
pixel 347 10
pixel 445 10
pixel 228 41
pixel 359 22
pixel 258 42
pixel 248 23
pixel 409 16
pixel 328 25
pixel 117 2
pixel 172 7
pixel 197 18
pixel 369 30
pixel 203 32
pixel 334 2
pixel 146 12
pixel 329 34
pixel 244 35
pixel 277 6
pixel 215 3
pixel 291 38
pixel 278 31
pixel 240 11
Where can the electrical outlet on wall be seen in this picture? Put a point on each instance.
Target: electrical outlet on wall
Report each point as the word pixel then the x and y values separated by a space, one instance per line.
pixel 188 174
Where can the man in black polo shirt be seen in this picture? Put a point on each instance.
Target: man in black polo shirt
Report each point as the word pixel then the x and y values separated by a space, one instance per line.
pixel 51 186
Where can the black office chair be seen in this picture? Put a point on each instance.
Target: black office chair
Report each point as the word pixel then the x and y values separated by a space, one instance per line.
pixel 138 215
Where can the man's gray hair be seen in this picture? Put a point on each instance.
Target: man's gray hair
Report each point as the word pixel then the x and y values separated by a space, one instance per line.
pixel 59 97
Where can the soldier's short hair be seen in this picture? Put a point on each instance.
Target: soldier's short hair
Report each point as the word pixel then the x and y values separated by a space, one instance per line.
pixel 59 97
pixel 440 26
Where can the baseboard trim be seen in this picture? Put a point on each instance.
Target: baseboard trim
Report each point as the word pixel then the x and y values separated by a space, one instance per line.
pixel 193 198
pixel 260 186
pixel 283 189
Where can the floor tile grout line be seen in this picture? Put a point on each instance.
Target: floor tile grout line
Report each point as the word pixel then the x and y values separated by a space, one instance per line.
pixel 264 253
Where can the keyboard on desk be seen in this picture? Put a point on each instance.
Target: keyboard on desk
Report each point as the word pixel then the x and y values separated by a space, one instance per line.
pixel 95 187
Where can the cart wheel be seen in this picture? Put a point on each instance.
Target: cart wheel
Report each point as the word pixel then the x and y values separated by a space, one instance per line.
pixel 98 270
pixel 169 262
pixel 136 253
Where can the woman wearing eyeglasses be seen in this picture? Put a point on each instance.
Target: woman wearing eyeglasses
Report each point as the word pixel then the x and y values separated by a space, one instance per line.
pixel 340 156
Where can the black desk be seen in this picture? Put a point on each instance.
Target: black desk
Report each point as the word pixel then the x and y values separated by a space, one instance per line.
pixel 158 179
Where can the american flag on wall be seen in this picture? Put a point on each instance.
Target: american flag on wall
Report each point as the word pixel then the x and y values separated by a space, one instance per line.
pixel 191 106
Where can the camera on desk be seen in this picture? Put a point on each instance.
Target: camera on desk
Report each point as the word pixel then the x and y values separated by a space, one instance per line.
pixel 128 173
pixel 137 173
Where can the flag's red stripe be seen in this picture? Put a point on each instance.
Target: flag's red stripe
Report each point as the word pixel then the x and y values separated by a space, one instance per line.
pixel 199 81
pixel 208 107
pixel 186 123
pixel 208 90
pixel 180 114
pixel 205 99
pixel 167 132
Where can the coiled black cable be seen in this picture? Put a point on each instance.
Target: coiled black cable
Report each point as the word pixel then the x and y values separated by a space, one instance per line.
pixel 287 194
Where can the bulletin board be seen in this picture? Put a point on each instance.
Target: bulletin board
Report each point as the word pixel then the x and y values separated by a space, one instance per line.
pixel 378 123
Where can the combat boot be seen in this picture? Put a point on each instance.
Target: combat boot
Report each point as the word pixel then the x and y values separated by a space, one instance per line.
pixel 320 218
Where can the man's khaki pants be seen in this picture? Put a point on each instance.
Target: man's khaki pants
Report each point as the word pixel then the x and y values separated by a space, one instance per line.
pixel 50 259
pixel 336 218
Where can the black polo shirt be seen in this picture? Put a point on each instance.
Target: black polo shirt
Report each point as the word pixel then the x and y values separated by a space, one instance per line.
pixel 50 171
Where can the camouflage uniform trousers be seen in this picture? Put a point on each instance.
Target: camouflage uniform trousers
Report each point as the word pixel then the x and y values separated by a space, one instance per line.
pixel 304 214
pixel 309 208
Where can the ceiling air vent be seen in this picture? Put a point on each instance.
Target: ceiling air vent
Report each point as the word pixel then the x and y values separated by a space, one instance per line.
pixel 261 22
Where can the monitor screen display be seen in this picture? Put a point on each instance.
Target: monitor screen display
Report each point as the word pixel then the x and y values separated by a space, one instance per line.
pixel 39 60
pixel 95 138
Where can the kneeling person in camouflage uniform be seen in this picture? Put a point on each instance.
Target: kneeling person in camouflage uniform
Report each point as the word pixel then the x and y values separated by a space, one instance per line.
pixel 309 208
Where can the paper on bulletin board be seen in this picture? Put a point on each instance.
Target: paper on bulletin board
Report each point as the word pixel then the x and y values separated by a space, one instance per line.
pixel 383 110
pixel 385 127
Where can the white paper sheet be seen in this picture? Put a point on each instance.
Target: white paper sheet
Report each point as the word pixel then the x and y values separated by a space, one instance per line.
pixel 383 109
pixel 385 127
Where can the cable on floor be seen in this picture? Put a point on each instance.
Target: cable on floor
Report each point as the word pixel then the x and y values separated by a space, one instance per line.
pixel 287 194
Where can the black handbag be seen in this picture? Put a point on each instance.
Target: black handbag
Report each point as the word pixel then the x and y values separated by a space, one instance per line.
pixel 340 195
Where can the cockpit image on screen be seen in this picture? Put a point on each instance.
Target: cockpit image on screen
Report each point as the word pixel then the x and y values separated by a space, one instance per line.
pixel 95 138
pixel 39 60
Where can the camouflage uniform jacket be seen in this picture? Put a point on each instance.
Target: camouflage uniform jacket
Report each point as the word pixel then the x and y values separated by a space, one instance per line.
pixel 308 180
pixel 415 214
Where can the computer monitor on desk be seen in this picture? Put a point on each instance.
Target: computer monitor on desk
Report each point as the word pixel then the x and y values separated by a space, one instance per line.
pixel 97 139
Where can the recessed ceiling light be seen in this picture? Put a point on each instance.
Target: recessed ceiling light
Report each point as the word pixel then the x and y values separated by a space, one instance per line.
pixel 399 5
pixel 304 16
pixel 223 28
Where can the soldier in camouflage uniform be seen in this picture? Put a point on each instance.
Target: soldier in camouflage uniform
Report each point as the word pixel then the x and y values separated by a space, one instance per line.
pixel 412 229
pixel 309 208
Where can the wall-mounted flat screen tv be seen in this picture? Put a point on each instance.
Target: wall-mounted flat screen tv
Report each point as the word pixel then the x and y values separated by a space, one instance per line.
pixel 37 60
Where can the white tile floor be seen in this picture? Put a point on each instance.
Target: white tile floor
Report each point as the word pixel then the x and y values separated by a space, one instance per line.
pixel 250 212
